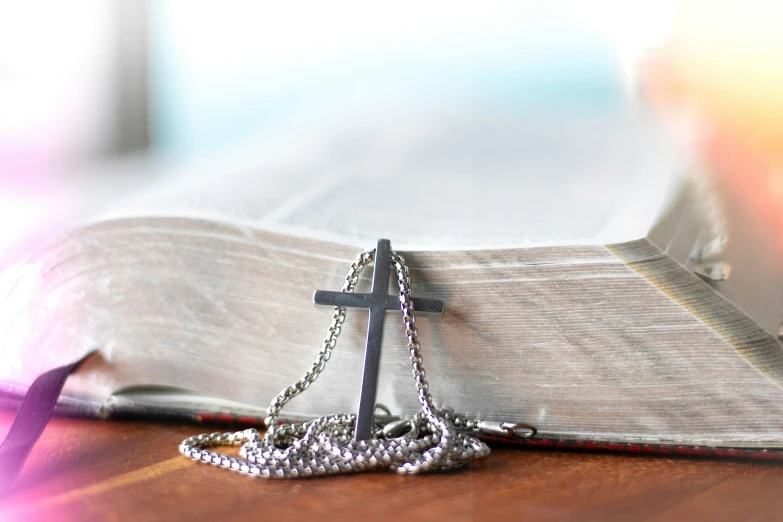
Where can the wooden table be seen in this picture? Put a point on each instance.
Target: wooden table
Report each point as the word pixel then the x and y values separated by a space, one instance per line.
pixel 93 470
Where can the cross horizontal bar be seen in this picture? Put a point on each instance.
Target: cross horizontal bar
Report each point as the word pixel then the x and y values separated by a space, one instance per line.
pixel 392 302
pixel 328 297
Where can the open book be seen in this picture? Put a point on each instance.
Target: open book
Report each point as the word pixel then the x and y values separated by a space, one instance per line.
pixel 597 285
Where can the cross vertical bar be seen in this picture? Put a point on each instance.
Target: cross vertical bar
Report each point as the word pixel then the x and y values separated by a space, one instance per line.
pixel 372 356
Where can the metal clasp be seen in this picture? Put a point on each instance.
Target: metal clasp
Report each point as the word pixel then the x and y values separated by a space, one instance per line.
pixel 512 430
pixel 386 417
pixel 392 426
pixel 399 428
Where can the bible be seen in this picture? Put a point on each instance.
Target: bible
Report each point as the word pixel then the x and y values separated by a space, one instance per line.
pixel 599 285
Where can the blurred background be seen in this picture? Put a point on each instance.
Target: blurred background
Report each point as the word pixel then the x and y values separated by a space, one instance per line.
pixel 88 83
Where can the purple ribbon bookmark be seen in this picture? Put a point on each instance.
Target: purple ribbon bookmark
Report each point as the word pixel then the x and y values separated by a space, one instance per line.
pixel 31 419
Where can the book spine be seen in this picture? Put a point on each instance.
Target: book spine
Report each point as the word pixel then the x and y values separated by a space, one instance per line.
pixel 70 407
pixel 646 449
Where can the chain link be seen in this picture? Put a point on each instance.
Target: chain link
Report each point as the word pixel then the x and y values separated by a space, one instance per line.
pixel 349 284
pixel 432 440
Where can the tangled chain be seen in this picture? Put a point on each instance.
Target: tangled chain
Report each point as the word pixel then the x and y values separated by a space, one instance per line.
pixel 435 440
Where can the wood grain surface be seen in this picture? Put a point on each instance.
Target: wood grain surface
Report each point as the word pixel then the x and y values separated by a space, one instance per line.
pixel 94 470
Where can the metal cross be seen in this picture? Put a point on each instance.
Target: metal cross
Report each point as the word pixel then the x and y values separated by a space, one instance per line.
pixel 378 302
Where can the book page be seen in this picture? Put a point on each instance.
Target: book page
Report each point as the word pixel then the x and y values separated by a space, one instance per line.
pixel 446 181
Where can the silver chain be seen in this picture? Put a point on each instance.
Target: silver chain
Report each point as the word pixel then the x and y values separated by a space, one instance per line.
pixel 432 440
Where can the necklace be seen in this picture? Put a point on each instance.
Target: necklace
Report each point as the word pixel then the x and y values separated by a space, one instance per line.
pixel 433 440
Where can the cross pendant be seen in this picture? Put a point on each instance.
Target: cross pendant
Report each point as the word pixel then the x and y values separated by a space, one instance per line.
pixel 378 301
